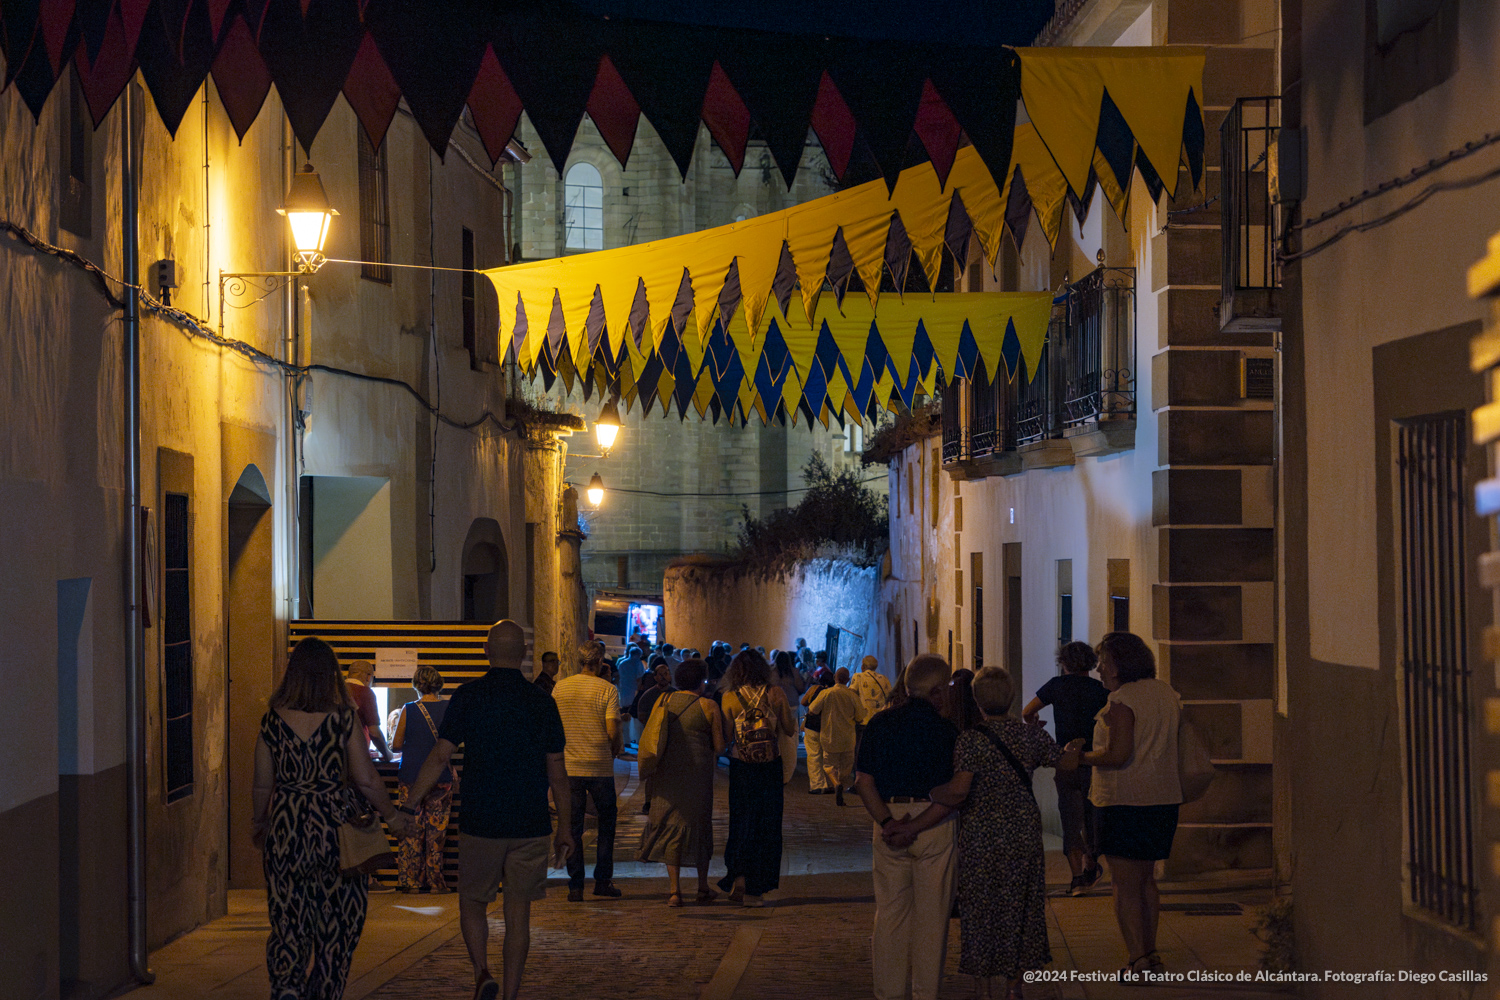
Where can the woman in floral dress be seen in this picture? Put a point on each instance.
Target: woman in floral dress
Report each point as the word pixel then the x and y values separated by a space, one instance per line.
pixel 1002 884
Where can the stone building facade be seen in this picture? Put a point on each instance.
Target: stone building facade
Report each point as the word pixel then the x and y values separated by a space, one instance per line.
pixel 676 487
pixel 1152 512
pixel 269 498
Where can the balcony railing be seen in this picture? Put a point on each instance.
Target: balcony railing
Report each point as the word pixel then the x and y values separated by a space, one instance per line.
pixel 1252 233
pixel 991 430
pixel 1099 381
pixel 1084 377
pixel 1037 413
pixel 955 427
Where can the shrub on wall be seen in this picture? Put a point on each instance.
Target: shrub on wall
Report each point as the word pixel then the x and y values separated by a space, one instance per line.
pixel 838 517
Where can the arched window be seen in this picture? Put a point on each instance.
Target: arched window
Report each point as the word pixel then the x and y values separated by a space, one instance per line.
pixel 583 202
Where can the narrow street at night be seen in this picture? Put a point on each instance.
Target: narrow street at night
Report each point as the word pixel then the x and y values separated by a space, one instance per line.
pixel 813 940
pixel 1007 491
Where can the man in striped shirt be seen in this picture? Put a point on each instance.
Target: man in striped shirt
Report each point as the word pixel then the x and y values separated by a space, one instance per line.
pixel 590 709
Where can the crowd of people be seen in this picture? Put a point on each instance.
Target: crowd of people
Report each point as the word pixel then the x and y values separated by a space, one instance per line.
pixel 939 759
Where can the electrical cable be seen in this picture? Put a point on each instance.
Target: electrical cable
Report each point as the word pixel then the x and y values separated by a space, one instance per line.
pixel 757 493
pixel 1395 183
pixel 195 327
pixel 1393 214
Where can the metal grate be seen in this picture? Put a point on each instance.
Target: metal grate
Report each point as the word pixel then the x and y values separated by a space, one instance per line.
pixel 374 211
pixel 1251 226
pixel 1435 668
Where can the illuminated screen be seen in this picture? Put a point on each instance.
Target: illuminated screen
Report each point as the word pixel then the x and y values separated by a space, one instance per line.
pixel 645 619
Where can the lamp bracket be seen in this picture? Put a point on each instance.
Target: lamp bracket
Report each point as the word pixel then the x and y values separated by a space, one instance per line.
pixel 241 283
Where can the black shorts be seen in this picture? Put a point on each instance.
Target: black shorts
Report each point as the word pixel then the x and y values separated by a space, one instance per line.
pixel 1137 833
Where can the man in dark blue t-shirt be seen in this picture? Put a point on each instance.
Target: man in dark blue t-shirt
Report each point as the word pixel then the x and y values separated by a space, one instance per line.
pixel 512 737
pixel 1076 698
pixel 907 751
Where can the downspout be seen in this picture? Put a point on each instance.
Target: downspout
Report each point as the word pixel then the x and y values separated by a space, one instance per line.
pixel 290 351
pixel 135 639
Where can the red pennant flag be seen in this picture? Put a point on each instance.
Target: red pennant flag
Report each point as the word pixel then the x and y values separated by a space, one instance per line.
pixel 727 117
pixel 834 124
pixel 495 105
pixel 614 110
pixel 372 91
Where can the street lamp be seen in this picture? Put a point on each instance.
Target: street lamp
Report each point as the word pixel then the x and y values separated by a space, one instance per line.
pixel 309 214
pixel 595 491
pixel 607 427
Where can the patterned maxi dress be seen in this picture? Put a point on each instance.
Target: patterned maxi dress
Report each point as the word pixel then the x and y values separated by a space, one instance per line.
pixel 316 914
pixel 1002 878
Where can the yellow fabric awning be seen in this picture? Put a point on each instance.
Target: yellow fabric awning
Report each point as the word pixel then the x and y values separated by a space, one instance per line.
pixel 1095 116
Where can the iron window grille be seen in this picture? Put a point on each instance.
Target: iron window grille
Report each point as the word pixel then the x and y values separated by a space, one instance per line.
pixel 177 648
pixel 374 211
pixel 1435 667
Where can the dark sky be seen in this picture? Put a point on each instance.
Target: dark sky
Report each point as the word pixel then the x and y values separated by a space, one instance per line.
pixel 965 22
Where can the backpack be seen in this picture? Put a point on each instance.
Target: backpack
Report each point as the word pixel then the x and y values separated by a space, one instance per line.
pixel 755 731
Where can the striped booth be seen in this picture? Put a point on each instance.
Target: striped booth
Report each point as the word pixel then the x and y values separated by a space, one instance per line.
pixel 456 649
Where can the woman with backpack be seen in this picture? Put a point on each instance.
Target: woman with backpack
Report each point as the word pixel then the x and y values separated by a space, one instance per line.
pixel 757 713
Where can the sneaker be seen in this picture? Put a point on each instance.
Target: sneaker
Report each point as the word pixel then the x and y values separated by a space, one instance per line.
pixel 1079 886
pixel 607 889
pixel 575 895
pixel 486 988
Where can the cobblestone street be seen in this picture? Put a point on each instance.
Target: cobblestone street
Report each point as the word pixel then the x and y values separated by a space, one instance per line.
pixel 814 938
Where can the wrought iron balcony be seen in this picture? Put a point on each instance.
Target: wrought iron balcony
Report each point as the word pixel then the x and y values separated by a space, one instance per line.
pixel 1083 389
pixel 1252 221
pixel 1099 345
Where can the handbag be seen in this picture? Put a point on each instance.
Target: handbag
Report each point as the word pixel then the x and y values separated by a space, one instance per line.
pixel 1195 769
pixel 364 847
pixel 653 743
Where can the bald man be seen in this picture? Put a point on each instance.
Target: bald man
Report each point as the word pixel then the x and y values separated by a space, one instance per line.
pixel 513 740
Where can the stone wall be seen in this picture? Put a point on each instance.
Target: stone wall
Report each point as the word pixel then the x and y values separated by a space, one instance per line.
pixel 708 600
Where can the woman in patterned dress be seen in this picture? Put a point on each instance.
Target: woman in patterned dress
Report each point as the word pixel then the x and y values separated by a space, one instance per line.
pixel 309 740
pixel 420 858
pixel 1002 883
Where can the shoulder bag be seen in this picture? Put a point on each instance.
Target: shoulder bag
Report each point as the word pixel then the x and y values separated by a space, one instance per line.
pixel 653 743
pixel 1195 769
pixel 364 847
pixel 1021 774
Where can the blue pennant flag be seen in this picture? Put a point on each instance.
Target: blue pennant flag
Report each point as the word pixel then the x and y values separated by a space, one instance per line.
pixel 968 353
pixel 1010 350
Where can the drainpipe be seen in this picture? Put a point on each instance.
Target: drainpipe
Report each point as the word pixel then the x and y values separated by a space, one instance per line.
pixel 135 640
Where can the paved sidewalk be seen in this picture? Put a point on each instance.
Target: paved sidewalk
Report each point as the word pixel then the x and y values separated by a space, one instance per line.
pixel 814 941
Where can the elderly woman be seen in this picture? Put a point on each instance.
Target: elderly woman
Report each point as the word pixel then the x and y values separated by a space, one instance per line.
pixel 421 855
pixel 311 749
pixel 1136 789
pixel 1002 872
pixel 680 830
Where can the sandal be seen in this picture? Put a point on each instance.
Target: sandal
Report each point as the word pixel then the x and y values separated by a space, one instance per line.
pixel 707 896
pixel 1155 964
pixel 1131 972
pixel 674 899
